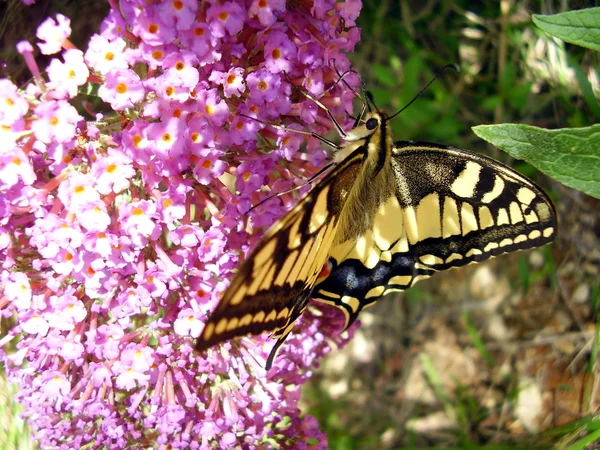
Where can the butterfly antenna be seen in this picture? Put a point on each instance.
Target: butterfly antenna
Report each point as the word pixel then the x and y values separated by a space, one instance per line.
pixel 435 77
pixel 363 89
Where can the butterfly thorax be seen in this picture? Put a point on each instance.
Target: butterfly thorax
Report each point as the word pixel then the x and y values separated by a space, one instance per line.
pixel 373 182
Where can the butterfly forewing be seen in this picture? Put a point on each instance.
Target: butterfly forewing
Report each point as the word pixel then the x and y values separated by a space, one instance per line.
pixel 273 285
pixel 451 207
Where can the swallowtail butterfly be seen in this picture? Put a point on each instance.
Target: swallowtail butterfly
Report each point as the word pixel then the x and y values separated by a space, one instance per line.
pixel 386 215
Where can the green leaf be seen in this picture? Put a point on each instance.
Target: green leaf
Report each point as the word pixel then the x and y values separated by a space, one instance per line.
pixel 569 155
pixel 581 27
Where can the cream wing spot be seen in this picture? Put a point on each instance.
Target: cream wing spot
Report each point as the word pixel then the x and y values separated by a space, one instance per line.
pixel 271 316
pixel 319 212
pixel 495 192
pixel 386 256
pixel 283 313
pixel 377 291
pixel 515 213
pixel 543 211
pixel 535 234
pixel 473 252
pixel 232 325
pixel 286 269
pixel 464 185
pixel 245 321
pixel 453 257
pixel 295 236
pixel 372 259
pixel 411 225
pixel 239 296
pixel 221 326
pixel 505 242
pixel 387 223
pixel 490 246
pixel 392 290
pixel 419 278
pixel 428 217
pixel 502 218
pixel 362 247
pixel 548 232
pixel 485 217
pixel 401 280
pixel 209 330
pixel 329 294
pixel 258 317
pixel 450 224
pixel 468 220
pixel 401 246
pixel 520 238
pixel 352 302
pixel 431 260
pixel 525 195
pixel 531 217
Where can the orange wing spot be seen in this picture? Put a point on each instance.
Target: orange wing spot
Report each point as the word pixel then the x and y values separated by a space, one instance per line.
pixel 325 272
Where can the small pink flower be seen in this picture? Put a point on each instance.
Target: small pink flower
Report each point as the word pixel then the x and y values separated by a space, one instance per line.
pixel 122 89
pixel 53 33
pixel 266 11
pixel 167 137
pixel 212 245
pixel 201 41
pixel 78 189
pixel 151 28
pixel 188 324
pixel 179 13
pixel 55 385
pixel 105 341
pixel 213 107
pixel 137 219
pixel 12 104
pixel 68 311
pixel 180 69
pixel 112 172
pixel 93 216
pixel 232 81
pixel 263 85
pixel 279 52
pixel 18 290
pixel 226 18
pixel 15 167
pixel 209 166
pixel 35 324
pixel 138 357
pixel 65 78
pixel 56 120
pixel 106 56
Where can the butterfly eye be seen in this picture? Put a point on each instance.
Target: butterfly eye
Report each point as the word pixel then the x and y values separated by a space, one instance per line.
pixel 372 124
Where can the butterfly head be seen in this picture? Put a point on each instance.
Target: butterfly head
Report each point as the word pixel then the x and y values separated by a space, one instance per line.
pixel 370 125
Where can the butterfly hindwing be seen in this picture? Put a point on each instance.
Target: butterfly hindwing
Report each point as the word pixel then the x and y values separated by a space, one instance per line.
pixel 451 207
pixel 273 285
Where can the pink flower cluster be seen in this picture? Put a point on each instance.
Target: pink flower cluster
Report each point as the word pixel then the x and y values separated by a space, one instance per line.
pixel 119 230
